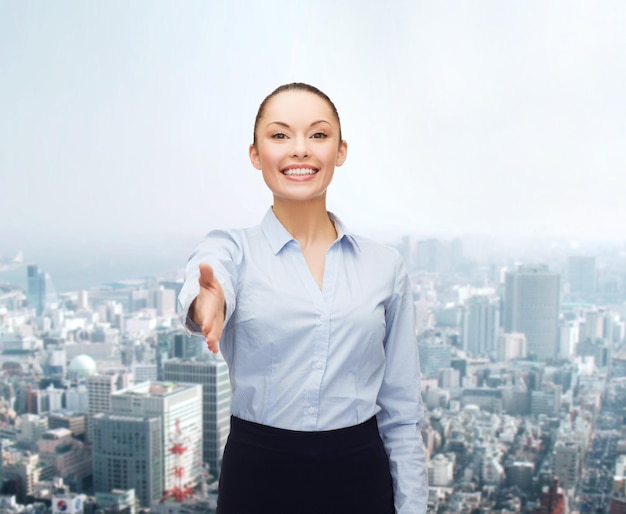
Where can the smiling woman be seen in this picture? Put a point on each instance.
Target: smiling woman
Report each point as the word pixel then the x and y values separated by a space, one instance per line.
pixel 298 141
pixel 317 327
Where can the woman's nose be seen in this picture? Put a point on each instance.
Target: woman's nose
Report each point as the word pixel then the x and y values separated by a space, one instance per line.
pixel 300 147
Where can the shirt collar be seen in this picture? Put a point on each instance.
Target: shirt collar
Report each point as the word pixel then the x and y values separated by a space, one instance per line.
pixel 278 236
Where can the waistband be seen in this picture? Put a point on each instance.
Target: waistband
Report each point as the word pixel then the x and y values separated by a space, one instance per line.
pixel 280 439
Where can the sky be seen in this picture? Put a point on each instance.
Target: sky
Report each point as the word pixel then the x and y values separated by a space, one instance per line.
pixel 130 121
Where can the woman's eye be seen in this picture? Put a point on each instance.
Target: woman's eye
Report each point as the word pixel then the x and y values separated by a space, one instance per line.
pixel 320 135
pixel 279 135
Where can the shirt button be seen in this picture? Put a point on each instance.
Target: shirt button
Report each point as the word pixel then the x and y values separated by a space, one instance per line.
pixel 323 318
pixel 311 410
pixel 318 364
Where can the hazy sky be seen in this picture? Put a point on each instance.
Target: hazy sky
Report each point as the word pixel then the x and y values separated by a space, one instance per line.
pixel 131 120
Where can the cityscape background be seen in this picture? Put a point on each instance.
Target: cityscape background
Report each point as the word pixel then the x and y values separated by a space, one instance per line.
pixel 486 145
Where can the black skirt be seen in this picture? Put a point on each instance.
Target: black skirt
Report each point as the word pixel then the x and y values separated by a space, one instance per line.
pixel 271 470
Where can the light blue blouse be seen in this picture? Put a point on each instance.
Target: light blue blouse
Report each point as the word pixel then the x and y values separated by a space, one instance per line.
pixel 302 358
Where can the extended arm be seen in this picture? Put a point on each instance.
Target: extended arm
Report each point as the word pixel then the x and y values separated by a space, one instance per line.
pixel 207 298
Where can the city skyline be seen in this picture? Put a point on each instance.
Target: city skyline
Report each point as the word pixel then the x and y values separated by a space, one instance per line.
pixel 128 124
pixel 514 419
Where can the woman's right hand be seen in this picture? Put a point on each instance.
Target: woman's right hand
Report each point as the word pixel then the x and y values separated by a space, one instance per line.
pixel 209 307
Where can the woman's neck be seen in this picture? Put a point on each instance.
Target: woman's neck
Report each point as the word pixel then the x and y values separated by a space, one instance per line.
pixel 307 222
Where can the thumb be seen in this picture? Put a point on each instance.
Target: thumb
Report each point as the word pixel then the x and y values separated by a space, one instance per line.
pixel 206 274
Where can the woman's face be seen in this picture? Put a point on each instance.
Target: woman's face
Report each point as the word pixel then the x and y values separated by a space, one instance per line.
pixel 297 146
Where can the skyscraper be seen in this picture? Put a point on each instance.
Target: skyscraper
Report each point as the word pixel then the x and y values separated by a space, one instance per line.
pixel 434 355
pixel 99 388
pixel 128 453
pixel 179 407
pixel 212 374
pixel 531 306
pixel 581 274
pixel 438 256
pixel 480 325
pixel 40 289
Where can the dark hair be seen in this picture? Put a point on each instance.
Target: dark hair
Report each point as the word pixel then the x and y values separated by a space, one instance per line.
pixel 294 86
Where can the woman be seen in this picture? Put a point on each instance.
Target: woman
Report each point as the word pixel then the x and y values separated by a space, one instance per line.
pixel 317 327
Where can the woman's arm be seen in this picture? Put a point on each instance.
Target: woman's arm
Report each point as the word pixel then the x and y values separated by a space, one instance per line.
pixel 401 415
pixel 207 298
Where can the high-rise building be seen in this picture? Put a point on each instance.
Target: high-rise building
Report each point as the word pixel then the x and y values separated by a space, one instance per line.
pixel 41 291
pixel 434 355
pixel 567 461
pixel 480 325
pixel 179 407
pixel 520 474
pixel 77 399
pixel 176 343
pixel 531 306
pixel 511 346
pixel 68 456
pixel 212 374
pixel 128 454
pixel 593 324
pixel 599 349
pixel 547 401
pixel 581 274
pixel 438 256
pixel 144 372
pixel 440 471
pixel 100 387
pixel 569 335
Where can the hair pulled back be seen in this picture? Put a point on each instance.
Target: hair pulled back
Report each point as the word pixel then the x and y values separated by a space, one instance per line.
pixel 294 86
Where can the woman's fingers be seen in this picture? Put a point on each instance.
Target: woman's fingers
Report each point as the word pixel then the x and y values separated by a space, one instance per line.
pixel 209 307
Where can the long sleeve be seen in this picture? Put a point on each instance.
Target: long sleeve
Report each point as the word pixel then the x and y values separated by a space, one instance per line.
pixel 222 250
pixel 401 415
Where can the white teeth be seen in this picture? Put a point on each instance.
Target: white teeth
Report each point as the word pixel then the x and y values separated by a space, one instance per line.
pixel 299 172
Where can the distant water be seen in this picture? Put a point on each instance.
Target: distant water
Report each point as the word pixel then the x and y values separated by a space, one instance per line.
pixel 72 276
pixel 86 267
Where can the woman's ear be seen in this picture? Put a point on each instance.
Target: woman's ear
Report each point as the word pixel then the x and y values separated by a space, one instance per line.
pixel 255 159
pixel 342 153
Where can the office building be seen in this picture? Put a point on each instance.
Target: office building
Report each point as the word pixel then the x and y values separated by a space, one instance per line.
pixel 567 461
pixel 128 454
pixel 100 387
pixel 118 501
pixel 599 349
pixel 77 399
pixel 520 474
pixel 434 355
pixel 41 291
pixel 75 423
pixel 212 374
pixel 569 335
pixel 68 456
pixel 593 325
pixel 547 401
pixel 440 471
pixel 511 346
pixel 581 274
pixel 144 373
pixel 179 407
pixel 531 306
pixel 438 256
pixel 481 318
pixel 176 343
